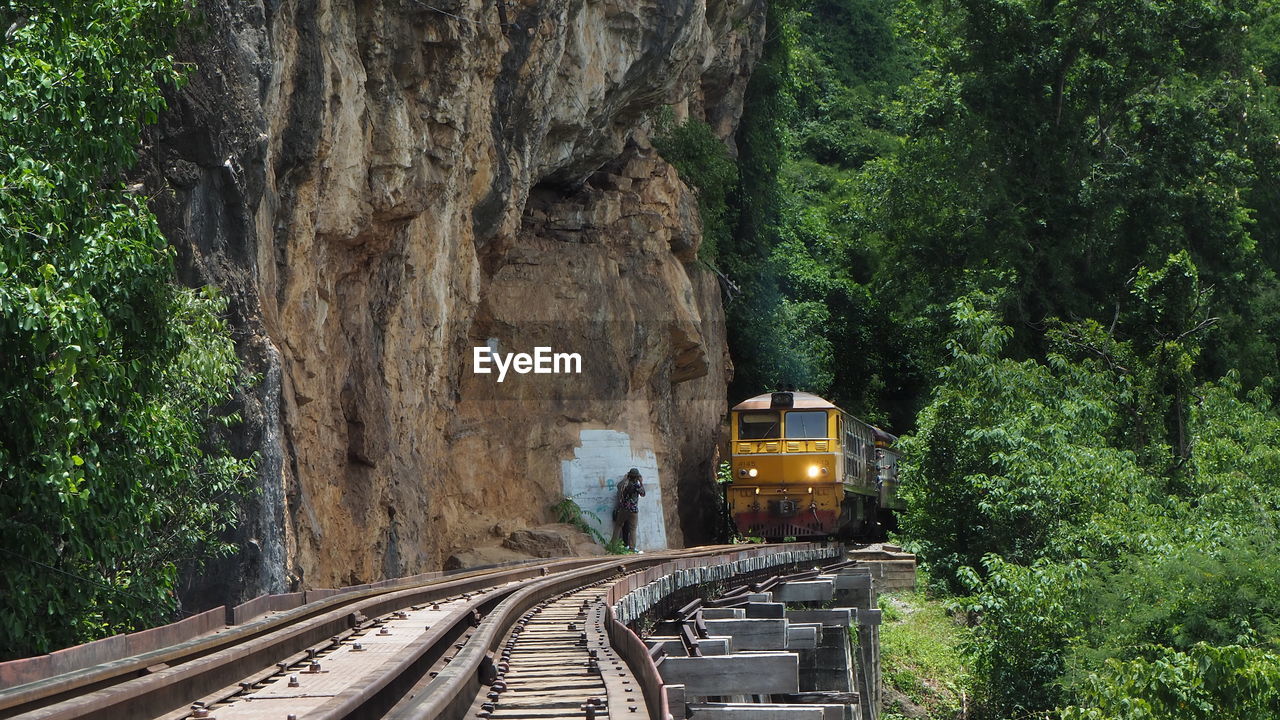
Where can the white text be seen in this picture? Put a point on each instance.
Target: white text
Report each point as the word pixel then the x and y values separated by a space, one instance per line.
pixel 542 362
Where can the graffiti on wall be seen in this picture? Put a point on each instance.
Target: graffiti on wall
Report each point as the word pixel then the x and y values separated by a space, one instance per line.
pixel 591 480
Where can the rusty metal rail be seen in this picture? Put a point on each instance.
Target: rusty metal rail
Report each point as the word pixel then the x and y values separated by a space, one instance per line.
pixel 458 691
pixel 448 649
pixel 451 694
pixel 557 660
pixel 145 685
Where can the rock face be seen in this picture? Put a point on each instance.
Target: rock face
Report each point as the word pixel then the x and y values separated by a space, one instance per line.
pixel 547 541
pixel 380 188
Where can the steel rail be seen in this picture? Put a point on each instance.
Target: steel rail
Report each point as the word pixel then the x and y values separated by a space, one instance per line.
pixel 160 682
pixel 139 686
pixel 451 693
pixel 454 690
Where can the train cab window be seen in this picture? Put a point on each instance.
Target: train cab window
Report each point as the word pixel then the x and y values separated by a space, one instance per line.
pixel 807 424
pixel 758 426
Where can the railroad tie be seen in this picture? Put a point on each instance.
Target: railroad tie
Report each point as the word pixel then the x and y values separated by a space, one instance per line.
pixel 556 663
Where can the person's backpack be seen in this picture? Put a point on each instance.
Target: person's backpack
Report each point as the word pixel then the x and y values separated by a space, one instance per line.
pixel 624 487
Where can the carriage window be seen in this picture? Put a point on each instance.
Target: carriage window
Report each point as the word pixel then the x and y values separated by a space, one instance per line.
pixel 758 426
pixel 812 424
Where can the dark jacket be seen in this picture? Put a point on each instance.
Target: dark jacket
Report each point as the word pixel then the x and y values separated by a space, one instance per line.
pixel 629 494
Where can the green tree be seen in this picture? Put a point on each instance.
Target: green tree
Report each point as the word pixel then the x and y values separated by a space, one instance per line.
pixel 1010 455
pixel 1030 616
pixel 704 163
pixel 754 339
pixel 1021 491
pixel 812 118
pixel 1111 167
pixel 108 370
pixel 1071 142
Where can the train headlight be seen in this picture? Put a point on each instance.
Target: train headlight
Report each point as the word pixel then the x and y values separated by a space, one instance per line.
pixel 743 472
pixel 752 472
pixel 757 491
pixel 814 470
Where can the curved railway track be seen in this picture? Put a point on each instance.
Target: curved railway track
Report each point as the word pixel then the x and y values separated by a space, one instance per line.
pixel 530 642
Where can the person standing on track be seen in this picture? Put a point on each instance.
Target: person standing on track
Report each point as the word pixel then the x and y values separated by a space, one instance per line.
pixel 626 509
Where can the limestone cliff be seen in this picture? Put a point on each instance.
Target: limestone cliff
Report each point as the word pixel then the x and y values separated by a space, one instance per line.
pixel 381 187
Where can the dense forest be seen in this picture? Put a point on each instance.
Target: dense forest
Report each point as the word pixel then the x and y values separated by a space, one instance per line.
pixel 1039 239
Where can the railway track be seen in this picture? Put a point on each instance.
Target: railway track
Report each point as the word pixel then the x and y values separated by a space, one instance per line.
pixel 557 661
pixel 506 644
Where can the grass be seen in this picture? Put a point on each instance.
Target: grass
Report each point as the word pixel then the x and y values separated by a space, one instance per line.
pixel 925 673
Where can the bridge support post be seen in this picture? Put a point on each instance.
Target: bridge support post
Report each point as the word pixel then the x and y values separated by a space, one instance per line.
pixel 869 662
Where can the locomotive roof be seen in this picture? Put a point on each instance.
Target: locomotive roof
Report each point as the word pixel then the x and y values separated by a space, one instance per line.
pixel 800 401
pixel 809 401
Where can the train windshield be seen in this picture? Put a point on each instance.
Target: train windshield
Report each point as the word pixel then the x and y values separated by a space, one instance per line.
pixel 808 424
pixel 757 426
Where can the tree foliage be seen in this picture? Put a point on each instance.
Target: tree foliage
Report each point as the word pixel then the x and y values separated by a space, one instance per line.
pixel 108 369
pixel 1078 563
pixel 1202 683
pixel 1072 142
pixel 1010 455
pixel 812 118
pixel 704 163
pixel 1041 236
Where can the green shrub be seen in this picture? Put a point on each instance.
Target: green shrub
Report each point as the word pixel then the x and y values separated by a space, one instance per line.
pixel 1009 455
pixel 704 163
pixel 1202 683
pixel 570 512
pixel 616 546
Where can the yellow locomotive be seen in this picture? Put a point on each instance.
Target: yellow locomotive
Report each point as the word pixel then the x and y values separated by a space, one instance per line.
pixel 803 467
